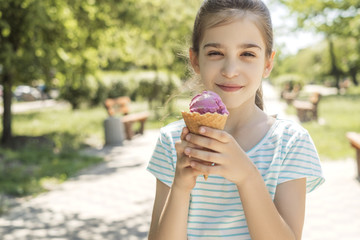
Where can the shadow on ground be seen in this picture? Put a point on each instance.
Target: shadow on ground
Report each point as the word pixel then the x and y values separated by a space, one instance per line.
pixel 38 223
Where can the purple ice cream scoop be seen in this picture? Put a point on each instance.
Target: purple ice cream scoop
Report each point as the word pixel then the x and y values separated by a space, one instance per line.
pixel 206 102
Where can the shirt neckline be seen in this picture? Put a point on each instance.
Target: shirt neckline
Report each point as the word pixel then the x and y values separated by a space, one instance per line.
pixel 261 142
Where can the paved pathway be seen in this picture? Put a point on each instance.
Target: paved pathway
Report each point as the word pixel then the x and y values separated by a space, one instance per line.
pixel 21 107
pixel 110 201
pixel 113 200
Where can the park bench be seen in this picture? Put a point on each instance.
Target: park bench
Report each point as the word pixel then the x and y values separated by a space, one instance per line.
pixel 308 110
pixel 290 95
pixel 354 139
pixel 121 105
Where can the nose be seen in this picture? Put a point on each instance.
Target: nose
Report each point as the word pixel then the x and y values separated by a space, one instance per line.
pixel 230 69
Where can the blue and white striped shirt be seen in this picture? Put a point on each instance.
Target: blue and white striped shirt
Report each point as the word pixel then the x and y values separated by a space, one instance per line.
pixel 286 152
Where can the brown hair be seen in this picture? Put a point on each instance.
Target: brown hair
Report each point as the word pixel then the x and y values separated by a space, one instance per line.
pixel 217 12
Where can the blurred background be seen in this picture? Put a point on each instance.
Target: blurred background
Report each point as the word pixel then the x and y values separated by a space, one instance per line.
pixel 61 59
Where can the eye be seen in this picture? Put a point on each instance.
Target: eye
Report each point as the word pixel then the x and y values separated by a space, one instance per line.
pixel 214 53
pixel 248 54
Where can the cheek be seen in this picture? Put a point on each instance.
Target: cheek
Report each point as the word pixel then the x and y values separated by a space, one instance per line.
pixel 208 73
pixel 254 71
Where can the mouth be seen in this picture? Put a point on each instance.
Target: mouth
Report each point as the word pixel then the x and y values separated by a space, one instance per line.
pixel 229 87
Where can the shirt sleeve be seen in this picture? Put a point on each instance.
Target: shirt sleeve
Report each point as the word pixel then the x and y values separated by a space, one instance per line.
pixel 302 161
pixel 162 163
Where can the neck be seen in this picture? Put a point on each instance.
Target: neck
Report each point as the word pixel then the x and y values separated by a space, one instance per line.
pixel 243 117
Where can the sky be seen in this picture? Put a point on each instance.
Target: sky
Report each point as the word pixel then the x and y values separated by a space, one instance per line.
pixel 292 41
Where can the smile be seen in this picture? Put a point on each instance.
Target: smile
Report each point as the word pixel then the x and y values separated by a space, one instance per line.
pixel 229 88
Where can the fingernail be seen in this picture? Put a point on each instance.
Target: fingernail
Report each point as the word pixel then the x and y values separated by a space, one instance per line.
pixel 202 130
pixel 187 137
pixel 187 151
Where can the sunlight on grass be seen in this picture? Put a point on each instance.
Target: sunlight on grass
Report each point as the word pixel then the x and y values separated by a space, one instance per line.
pixel 30 169
pixel 341 114
pixel 82 122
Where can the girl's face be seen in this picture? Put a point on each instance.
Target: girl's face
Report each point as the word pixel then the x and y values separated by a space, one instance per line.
pixel 232 61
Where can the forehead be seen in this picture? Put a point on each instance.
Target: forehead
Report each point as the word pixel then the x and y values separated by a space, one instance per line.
pixel 237 31
pixel 242 30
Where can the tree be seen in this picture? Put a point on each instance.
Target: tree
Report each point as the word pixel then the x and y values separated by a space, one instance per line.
pixel 27 37
pixel 154 36
pixel 336 19
pixel 71 40
pixel 39 37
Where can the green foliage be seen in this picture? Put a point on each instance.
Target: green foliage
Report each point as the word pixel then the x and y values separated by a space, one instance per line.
pixel 310 65
pixel 339 21
pixel 332 17
pixel 313 64
pixel 118 89
pixel 64 43
pixel 155 87
pixel 156 33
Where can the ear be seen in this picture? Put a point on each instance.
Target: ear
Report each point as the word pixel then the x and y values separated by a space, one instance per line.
pixel 269 65
pixel 194 61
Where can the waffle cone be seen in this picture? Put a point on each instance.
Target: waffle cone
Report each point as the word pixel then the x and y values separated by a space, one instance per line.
pixel 194 120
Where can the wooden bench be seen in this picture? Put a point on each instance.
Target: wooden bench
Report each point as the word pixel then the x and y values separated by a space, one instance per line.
pixel 308 110
pixel 354 139
pixel 290 92
pixel 289 97
pixel 121 105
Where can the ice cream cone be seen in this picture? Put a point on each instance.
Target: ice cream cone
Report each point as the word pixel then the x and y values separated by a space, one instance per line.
pixel 194 121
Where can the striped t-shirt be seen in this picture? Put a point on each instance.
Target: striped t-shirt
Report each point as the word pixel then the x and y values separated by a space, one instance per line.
pixel 286 152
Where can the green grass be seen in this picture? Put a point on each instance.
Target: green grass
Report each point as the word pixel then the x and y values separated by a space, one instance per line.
pixel 28 169
pixel 338 115
pixel 59 124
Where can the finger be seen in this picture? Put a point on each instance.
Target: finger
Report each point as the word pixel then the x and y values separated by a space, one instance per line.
pixel 181 145
pixel 204 168
pixel 202 154
pixel 205 142
pixel 184 132
pixel 217 134
pixel 184 162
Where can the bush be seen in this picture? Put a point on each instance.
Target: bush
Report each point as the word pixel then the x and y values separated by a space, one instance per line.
pixel 100 96
pixel 289 80
pixel 154 87
pixel 75 95
pixel 118 89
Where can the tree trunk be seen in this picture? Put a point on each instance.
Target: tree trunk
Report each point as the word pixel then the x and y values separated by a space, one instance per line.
pixel 335 71
pixel 7 98
pixel 353 73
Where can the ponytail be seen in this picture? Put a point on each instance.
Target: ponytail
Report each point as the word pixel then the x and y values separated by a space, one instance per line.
pixel 259 101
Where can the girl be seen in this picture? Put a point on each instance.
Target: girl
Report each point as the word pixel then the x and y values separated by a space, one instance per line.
pixel 263 166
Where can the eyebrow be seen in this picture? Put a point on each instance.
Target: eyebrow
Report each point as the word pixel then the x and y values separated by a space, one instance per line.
pixel 244 45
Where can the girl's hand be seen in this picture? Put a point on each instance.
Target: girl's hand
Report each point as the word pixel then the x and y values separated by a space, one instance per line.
pixel 185 175
pixel 220 148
